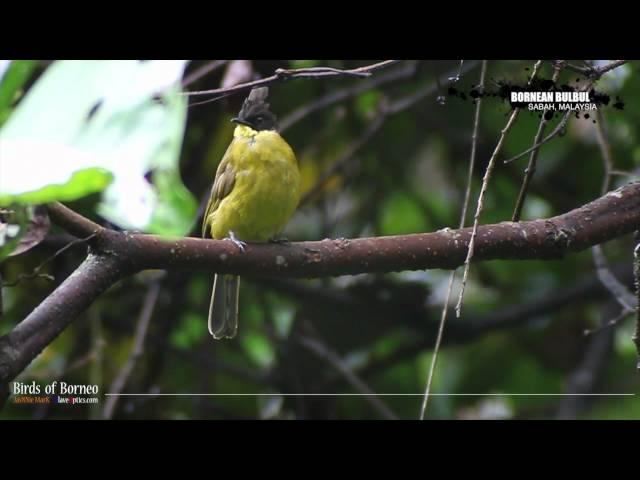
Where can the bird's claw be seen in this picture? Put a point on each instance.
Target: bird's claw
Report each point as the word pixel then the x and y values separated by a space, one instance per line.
pixel 239 243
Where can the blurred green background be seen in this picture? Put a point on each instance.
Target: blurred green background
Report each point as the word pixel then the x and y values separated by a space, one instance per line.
pixel 523 323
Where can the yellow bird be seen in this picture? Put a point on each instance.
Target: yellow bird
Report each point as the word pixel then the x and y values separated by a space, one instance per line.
pixel 255 192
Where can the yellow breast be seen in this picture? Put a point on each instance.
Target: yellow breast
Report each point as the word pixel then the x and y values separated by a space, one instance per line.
pixel 266 190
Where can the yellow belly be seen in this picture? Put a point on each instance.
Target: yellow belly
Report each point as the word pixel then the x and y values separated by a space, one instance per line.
pixel 266 190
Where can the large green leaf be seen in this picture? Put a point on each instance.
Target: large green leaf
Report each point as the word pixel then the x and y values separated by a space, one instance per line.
pixel 13 75
pixel 87 125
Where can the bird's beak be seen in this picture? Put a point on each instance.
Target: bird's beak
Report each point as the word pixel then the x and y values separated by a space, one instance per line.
pixel 240 121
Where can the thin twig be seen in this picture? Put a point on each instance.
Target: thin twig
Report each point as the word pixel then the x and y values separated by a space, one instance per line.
pixel 322 351
pixel 620 292
pixel 386 111
pixel 460 332
pixel 609 323
pixel 463 217
pixel 483 189
pixel 35 273
pixel 456 77
pixel 142 326
pixel 325 71
pixel 404 71
pixel 202 71
pixel 412 99
pixel 344 158
pixel 556 131
pixel 605 152
pixel 286 74
pixel 585 377
pixel 531 167
pixel 598 72
pixel 593 72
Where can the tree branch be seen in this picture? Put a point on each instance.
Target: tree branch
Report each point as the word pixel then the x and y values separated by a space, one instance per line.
pixel 604 219
pixel 333 359
pixel 56 312
pixel 71 221
pixel 593 72
pixel 136 352
pixel 401 72
pixel 116 255
pixel 286 74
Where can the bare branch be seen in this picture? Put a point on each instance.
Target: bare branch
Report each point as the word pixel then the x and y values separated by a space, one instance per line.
pixel 480 206
pixel 610 216
pixel 322 351
pixel 621 293
pixel 372 128
pixel 463 216
pixel 592 72
pixel 19 347
pixel 483 190
pixel 35 273
pixel 585 377
pixel 120 254
pixel 344 158
pixel 531 168
pixel 142 326
pixel 556 131
pixel 71 221
pixel 609 323
pixel 202 71
pixel 286 74
pixel 404 71
pixel 460 332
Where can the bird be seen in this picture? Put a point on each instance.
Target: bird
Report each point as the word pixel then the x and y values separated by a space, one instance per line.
pixel 255 192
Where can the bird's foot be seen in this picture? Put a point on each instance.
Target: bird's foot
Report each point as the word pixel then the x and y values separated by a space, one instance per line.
pixel 239 243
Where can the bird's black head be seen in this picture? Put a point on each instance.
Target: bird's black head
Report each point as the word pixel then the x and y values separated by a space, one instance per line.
pixel 255 111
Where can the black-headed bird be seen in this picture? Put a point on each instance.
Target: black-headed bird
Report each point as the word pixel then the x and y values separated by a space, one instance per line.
pixel 255 192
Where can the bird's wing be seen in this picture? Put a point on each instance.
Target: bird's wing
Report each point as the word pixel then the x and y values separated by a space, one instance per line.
pixel 222 186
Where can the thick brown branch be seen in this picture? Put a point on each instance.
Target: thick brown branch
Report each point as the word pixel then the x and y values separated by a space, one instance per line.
pixel 56 312
pixel 71 221
pixel 119 254
pixel 606 218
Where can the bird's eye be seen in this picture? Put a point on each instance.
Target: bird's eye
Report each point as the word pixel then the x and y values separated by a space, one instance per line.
pixel 259 118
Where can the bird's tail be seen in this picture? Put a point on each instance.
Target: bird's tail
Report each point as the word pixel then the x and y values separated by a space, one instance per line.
pixel 223 310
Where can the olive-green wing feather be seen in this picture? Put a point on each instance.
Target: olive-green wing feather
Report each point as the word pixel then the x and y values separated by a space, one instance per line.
pixel 222 186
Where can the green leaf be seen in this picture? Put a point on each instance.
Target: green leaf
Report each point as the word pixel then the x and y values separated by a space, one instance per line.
pixel 191 330
pixel 88 126
pixel 14 77
pixel 367 102
pixel 401 214
pixel 77 185
pixel 258 348
pixel 176 215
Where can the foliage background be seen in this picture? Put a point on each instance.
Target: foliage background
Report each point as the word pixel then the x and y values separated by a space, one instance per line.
pixel 409 176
